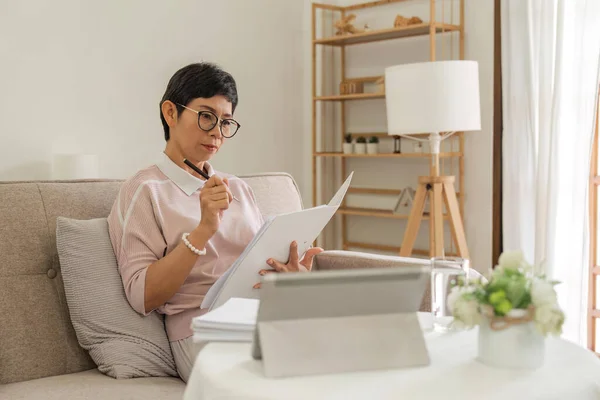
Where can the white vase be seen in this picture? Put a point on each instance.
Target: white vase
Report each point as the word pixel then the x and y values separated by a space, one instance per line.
pixel 360 148
pixel 519 346
pixel 347 148
pixel 372 148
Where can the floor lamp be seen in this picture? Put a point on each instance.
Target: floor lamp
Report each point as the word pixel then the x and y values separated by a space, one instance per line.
pixel 436 98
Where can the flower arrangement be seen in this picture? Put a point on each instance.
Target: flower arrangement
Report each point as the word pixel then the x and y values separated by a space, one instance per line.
pixel 513 295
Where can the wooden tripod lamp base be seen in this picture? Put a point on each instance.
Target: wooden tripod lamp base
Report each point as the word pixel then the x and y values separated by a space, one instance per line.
pixel 440 190
pixel 438 99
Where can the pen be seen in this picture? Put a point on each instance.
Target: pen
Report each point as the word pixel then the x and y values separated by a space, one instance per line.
pixel 200 172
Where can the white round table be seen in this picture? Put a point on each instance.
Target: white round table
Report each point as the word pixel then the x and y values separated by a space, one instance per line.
pixel 227 371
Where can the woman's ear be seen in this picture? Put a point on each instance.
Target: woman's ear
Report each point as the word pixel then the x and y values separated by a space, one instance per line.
pixel 169 112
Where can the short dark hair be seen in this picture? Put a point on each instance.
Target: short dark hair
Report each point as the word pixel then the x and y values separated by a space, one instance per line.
pixel 198 80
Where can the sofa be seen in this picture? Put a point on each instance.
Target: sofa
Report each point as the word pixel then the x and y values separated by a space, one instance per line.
pixel 40 357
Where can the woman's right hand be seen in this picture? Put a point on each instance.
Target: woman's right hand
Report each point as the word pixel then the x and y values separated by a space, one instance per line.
pixel 215 197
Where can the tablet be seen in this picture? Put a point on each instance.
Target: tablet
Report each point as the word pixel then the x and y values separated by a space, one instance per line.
pixel 342 293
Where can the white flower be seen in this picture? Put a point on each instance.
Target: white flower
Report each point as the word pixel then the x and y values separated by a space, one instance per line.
pixel 511 260
pixel 543 293
pixel 549 319
pixel 466 313
pixel 455 293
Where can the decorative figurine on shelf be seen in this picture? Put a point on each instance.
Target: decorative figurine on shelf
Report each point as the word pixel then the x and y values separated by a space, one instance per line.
pixel 344 26
pixel 366 28
pixel 403 21
pixel 415 21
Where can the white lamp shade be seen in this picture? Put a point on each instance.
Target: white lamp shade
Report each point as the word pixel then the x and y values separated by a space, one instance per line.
pixel 440 96
pixel 75 166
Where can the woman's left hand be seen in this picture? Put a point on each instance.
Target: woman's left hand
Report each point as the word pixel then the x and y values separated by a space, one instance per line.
pixel 295 264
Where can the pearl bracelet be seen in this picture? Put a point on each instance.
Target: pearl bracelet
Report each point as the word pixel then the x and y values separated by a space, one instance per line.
pixel 190 246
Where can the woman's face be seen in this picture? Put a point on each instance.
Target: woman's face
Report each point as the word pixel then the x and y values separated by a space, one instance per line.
pixel 194 143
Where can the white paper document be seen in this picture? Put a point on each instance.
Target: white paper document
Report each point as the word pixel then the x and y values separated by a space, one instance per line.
pixel 235 314
pixel 234 321
pixel 272 241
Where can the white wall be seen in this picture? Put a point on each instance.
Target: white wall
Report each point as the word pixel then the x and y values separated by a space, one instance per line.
pixel 369 116
pixel 87 76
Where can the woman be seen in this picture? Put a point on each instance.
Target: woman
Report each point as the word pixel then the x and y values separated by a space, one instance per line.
pixel 175 233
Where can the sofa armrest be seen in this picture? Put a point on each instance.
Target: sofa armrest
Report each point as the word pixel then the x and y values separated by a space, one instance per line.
pixel 339 259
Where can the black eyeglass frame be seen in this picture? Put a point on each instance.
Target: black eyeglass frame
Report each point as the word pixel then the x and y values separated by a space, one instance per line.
pixel 219 121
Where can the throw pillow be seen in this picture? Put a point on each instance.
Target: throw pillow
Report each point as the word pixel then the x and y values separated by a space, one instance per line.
pixel 123 343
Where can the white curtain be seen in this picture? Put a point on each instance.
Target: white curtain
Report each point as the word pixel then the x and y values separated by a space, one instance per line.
pixel 550 65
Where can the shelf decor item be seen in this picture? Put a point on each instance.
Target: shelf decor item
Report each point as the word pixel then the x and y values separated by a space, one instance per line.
pixel 347 146
pixel 418 147
pixel 360 147
pixel 404 201
pixel 397 144
pixel 373 145
pixel 403 21
pixel 436 98
pixel 515 310
pixel 351 87
pixel 344 25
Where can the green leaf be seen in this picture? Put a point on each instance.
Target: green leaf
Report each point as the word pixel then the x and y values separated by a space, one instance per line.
pixel 501 283
pixel 525 301
pixel 516 290
pixel 510 272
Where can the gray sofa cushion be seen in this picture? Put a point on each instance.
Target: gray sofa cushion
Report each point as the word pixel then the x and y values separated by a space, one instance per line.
pixel 121 342
pixel 91 385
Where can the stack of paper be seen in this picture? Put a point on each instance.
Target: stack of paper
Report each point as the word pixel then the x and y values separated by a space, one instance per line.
pixel 234 321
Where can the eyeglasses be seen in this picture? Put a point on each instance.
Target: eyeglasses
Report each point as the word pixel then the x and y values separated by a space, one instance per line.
pixel 207 120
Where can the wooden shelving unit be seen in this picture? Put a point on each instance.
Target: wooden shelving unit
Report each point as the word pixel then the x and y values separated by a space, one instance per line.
pixel 373 212
pixel 344 97
pixel 360 190
pixel 428 29
pixel 387 34
pixel 385 155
